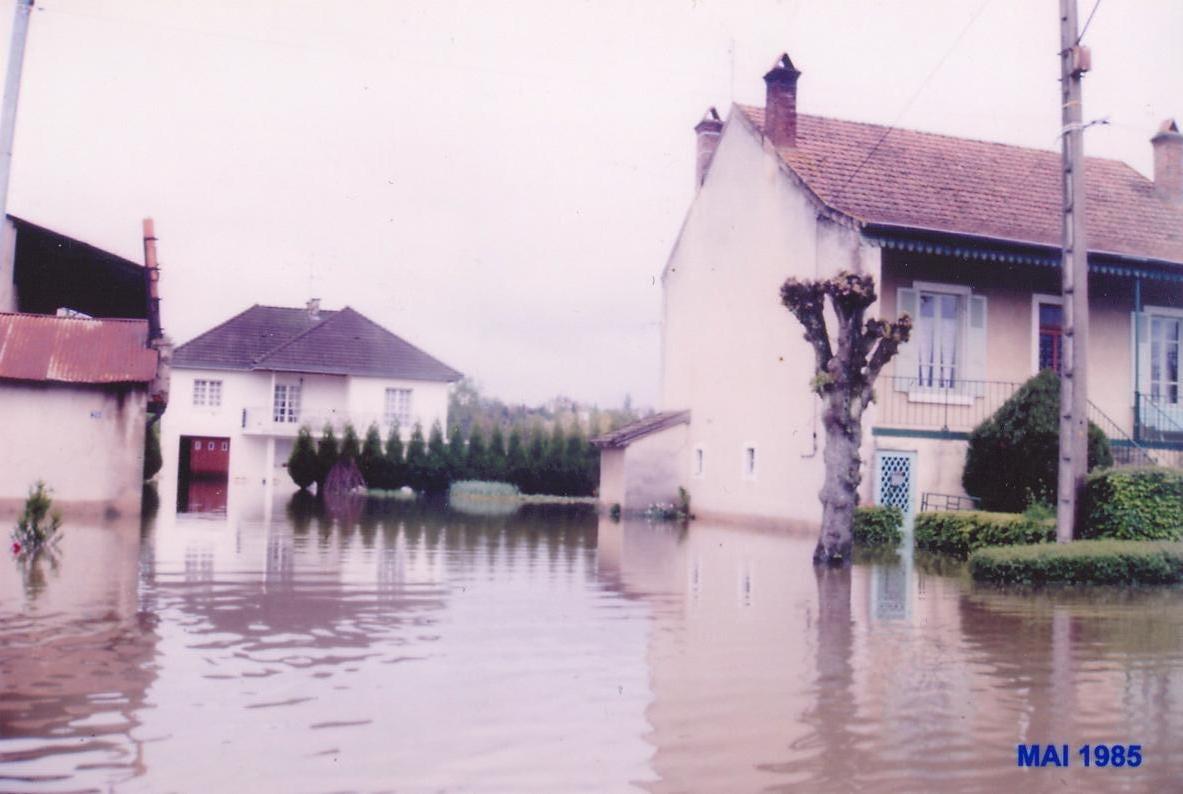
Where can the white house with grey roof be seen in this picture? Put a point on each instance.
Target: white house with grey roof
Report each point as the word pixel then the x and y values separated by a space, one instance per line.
pixel 244 389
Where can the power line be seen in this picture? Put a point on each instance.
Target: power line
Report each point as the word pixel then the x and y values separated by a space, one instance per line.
pixel 892 127
pixel 1083 30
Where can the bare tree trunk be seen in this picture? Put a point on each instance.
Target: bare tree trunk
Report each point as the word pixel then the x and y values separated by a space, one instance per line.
pixel 839 494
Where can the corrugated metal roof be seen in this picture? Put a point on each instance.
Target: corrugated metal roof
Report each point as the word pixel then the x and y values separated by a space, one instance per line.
pixel 35 347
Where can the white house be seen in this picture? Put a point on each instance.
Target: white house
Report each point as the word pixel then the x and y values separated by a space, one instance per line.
pixel 242 390
pixel 964 236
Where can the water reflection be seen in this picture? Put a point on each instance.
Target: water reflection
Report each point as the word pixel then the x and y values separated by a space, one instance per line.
pixel 369 645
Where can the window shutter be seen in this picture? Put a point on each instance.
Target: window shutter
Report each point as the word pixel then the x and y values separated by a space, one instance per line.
pixel 1140 341
pixel 975 346
pixel 905 359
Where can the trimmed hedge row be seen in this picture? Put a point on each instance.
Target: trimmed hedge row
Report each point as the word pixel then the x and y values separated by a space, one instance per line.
pixel 1117 562
pixel 962 532
pixel 878 526
pixel 1134 503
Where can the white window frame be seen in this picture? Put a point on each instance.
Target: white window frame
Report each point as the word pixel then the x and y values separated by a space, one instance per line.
pixel 744 472
pixel 287 412
pixel 405 417
pixel 1036 299
pixel 933 394
pixel 698 466
pixel 207 393
pixel 1151 312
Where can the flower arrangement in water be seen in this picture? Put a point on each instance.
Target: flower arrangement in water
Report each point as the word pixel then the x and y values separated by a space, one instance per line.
pixel 668 511
pixel 37 528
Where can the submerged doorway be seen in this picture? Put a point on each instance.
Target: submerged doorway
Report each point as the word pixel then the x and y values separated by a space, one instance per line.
pixel 895 473
pixel 203 474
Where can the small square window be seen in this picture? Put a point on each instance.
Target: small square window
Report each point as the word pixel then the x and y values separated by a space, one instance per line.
pixel 749 462
pixel 197 446
pixel 210 446
pixel 225 446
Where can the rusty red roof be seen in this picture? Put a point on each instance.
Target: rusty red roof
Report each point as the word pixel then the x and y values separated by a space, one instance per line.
pixel 921 180
pixel 35 347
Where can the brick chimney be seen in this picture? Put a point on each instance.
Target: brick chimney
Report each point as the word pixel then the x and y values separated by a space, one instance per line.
pixel 707 131
pixel 1168 162
pixel 780 104
pixel 314 308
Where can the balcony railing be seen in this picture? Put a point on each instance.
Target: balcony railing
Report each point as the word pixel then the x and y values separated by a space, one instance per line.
pixel 260 420
pixel 906 403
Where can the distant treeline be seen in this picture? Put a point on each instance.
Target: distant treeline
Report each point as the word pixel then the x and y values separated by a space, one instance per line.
pixel 560 462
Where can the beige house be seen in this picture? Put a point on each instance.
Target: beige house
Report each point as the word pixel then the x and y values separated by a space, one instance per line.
pixel 961 234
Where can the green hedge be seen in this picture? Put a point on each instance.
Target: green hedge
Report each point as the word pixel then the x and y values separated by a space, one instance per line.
pixel 1119 562
pixel 1134 504
pixel 878 526
pixel 961 532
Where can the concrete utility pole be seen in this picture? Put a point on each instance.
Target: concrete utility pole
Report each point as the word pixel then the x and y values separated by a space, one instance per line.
pixel 1074 62
pixel 12 90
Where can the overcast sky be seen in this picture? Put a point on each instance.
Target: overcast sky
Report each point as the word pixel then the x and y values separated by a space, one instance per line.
pixel 500 183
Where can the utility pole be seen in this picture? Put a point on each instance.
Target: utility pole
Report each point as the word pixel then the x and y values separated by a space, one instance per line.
pixel 1073 462
pixel 12 90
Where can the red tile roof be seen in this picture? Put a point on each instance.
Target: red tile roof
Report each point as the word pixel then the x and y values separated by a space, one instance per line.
pixel 35 347
pixel 937 182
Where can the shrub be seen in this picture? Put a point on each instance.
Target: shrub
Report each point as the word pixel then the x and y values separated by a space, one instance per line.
pixel 395 473
pixel 436 467
pixel 1119 562
pixel 878 526
pixel 416 462
pixel 476 460
pixel 36 526
pixel 960 532
pixel 1013 456
pixel 456 453
pixel 496 463
pixel 350 444
pixel 327 453
pixel 152 457
pixel 371 462
pixel 303 466
pixel 1134 504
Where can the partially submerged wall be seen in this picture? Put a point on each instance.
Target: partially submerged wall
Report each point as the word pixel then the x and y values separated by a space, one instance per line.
pixel 85 442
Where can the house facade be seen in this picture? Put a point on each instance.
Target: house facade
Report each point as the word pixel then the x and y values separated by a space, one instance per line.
pixel 243 390
pixel 962 235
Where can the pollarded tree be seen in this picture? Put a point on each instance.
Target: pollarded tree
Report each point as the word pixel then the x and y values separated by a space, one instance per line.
pixel 845 370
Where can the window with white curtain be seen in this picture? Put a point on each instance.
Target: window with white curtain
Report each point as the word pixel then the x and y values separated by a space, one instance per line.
pixel 398 407
pixel 938 339
pixel 286 406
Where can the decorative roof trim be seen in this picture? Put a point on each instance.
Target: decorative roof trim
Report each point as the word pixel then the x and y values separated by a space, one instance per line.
pixel 933 241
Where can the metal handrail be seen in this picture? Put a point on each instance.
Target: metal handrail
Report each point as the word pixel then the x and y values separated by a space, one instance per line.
pixel 1137 454
pixel 1165 422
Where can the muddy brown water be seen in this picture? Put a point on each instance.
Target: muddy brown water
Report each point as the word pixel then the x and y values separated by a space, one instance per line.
pixel 402 648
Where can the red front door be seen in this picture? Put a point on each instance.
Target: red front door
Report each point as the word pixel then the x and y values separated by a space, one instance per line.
pixel 209 455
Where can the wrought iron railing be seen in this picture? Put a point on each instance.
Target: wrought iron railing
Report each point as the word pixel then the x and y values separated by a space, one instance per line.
pixel 944 502
pixel 907 403
pixel 1156 419
pixel 1126 451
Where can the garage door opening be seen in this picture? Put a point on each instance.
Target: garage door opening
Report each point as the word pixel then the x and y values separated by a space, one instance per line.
pixel 203 474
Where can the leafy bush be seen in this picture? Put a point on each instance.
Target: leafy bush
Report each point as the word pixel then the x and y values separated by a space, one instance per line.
pixel 958 533
pixel 303 465
pixel 1134 504
pixel 350 444
pixel 1119 562
pixel 416 460
pixel 394 473
pixel 1013 456
pixel 371 462
pixel 482 488
pixel 878 526
pixel 152 457
pixel 36 526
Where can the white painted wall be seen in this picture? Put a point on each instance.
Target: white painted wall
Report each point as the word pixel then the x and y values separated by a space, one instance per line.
pixel 334 398
pixel 731 352
pixel 85 442
pixel 7 266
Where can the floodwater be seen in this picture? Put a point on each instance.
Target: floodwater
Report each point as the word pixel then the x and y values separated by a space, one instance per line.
pixel 402 648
